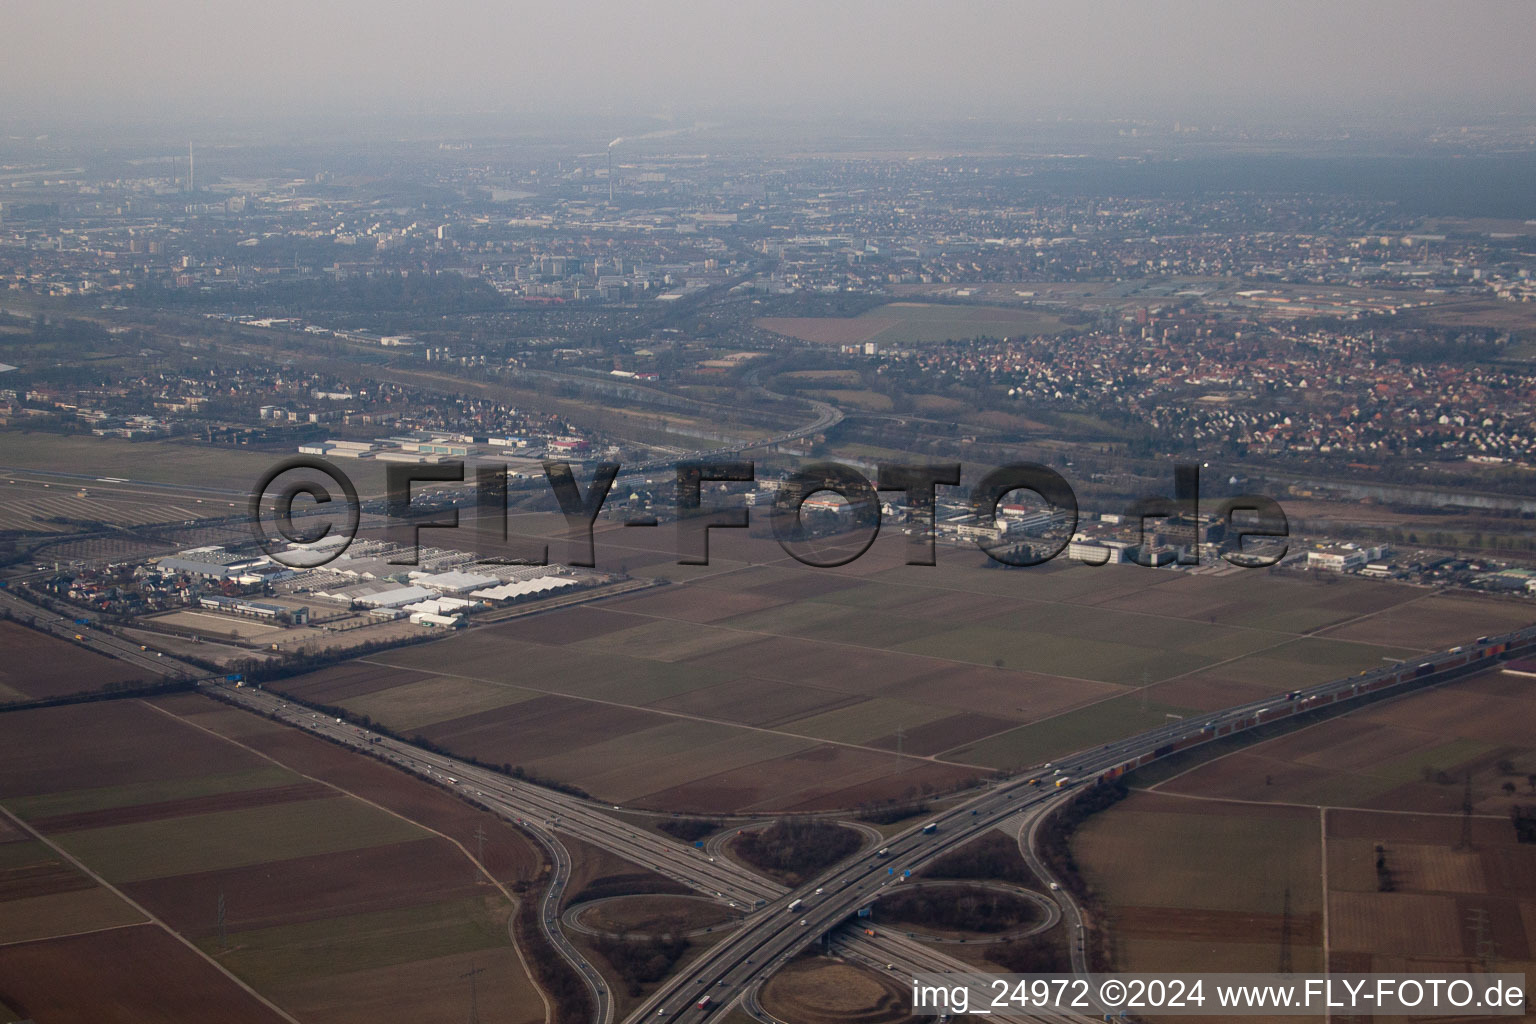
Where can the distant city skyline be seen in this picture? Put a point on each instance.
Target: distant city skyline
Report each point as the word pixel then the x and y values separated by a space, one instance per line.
pixel 172 60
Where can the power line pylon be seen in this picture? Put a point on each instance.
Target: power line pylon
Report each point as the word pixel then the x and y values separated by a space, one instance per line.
pixel 480 854
pixel 1285 935
pixel 1466 816
pixel 474 995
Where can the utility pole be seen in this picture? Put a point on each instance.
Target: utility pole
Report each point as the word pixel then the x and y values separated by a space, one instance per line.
pixel 474 995
pixel 1483 947
pixel 1285 935
pixel 1466 816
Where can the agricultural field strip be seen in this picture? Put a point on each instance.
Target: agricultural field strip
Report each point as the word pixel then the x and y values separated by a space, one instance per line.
pixel 938 757
pixel 615 836
pixel 1289 638
pixel 724 723
pixel 528 800
pixel 445 763
pixel 344 792
pixel 1285 638
pixel 849 644
pixel 511 898
pixel 77 801
pixel 150 917
pixel 786 561
pixel 76 934
pixel 1252 749
pixel 679 862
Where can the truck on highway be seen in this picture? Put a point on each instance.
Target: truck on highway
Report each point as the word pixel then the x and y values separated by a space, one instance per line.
pixel 796 905
pixel 704 1003
pixel 884 851
pixel 1062 781
pixel 930 828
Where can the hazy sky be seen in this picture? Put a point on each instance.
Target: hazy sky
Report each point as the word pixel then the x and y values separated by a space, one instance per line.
pixel 173 59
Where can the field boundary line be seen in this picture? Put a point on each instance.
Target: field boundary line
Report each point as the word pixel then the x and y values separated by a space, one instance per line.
pixel 1309 807
pixel 1322 825
pixel 931 758
pixel 151 918
pixel 71 935
pixel 1149 687
pixel 511 897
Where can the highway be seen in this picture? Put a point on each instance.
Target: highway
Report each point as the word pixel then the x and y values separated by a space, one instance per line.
pixel 545 812
pixel 771 933
pixel 94 638
pixel 738 963
pixel 528 804
pixel 549 913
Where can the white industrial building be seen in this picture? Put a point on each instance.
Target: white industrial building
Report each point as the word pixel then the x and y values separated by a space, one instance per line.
pixel 396 597
pixel 523 588
pixel 452 582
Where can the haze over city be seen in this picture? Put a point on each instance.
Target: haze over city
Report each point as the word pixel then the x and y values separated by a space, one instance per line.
pixel 163 61
pixel 766 513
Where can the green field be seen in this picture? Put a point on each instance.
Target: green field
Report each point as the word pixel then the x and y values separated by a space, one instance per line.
pixel 106 797
pixel 428 701
pixel 228 839
pixel 665 641
pixel 1075 730
pixel 924 322
pixel 703 695
pixel 284 955
pixel 917 323
pixel 868 720
pixel 1240 859
pixel 165 462
pixel 1052 654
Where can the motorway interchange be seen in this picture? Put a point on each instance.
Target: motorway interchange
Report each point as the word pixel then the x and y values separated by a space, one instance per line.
pixel 732 971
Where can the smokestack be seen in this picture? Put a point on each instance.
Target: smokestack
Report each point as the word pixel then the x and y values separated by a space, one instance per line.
pixel 191 176
pixel 615 142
